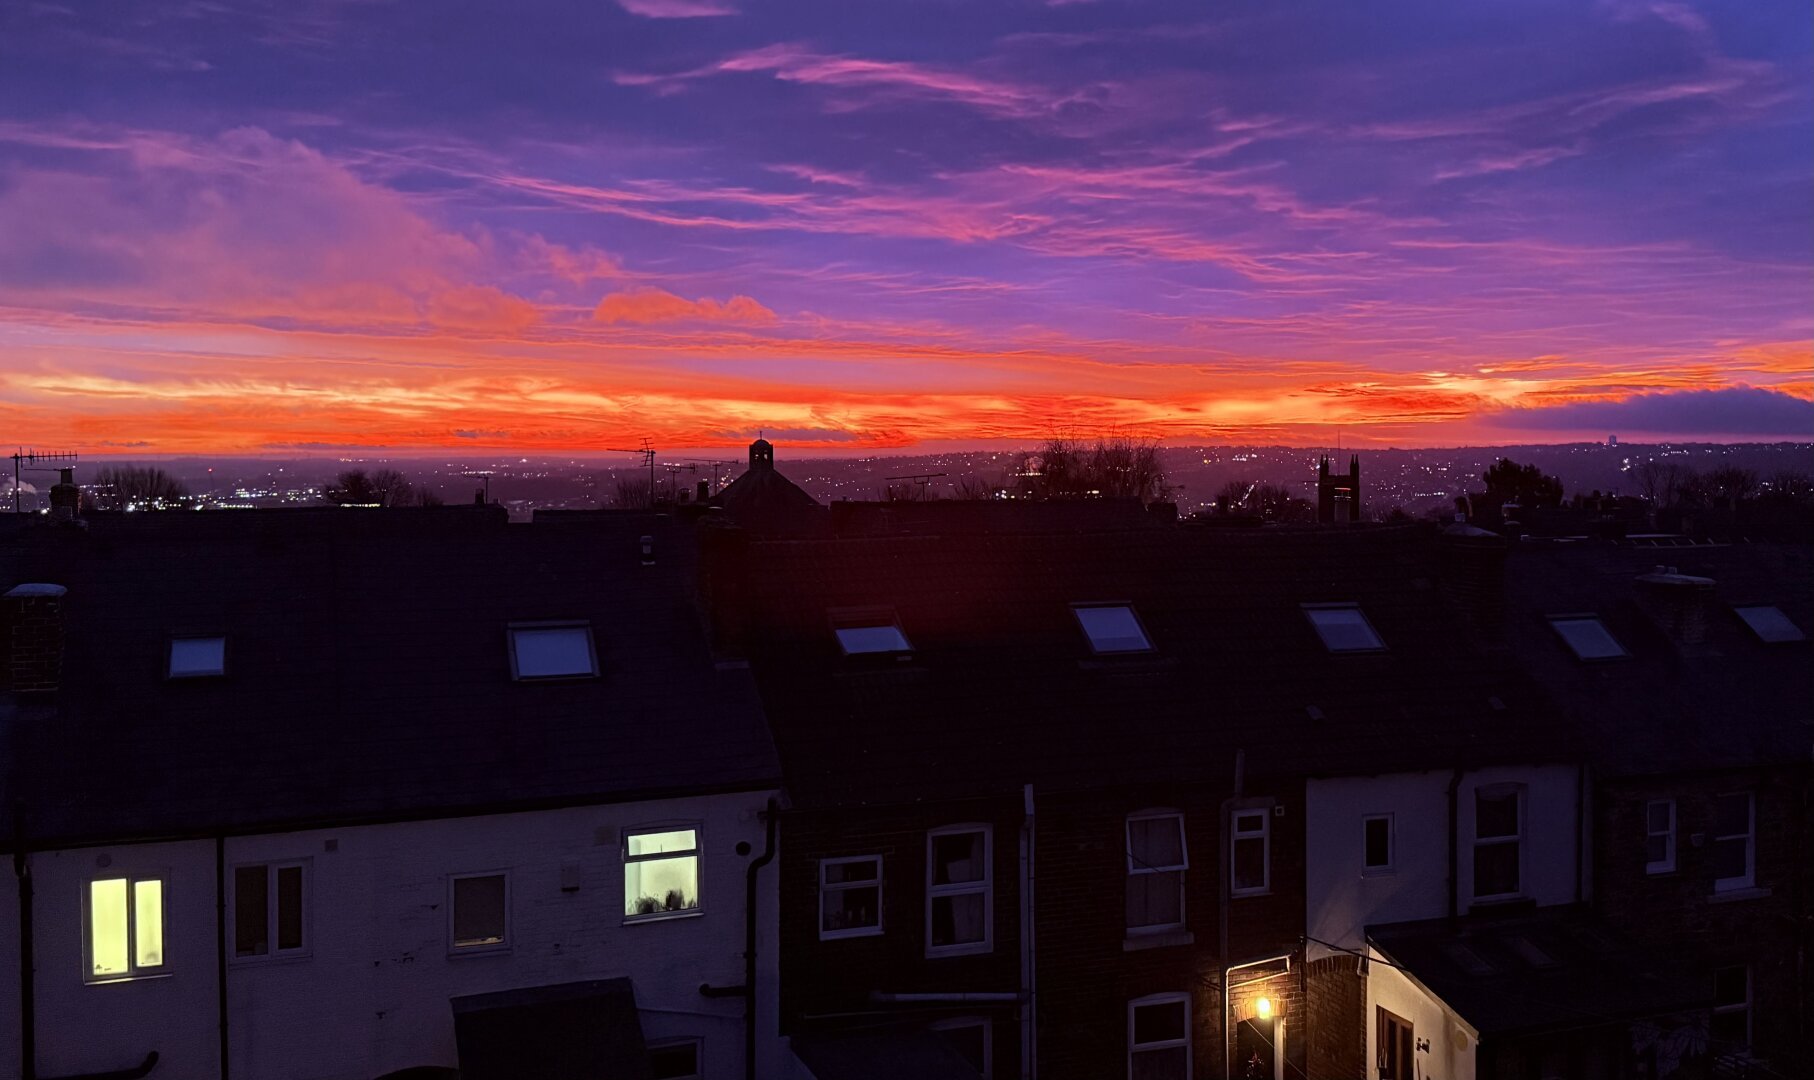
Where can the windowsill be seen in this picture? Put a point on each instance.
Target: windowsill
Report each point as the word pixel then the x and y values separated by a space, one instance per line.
pixel 1661 871
pixel 1138 940
pixel 1247 894
pixel 663 916
pixel 1378 871
pixel 1729 896
pixel 478 950
pixel 940 952
pixel 842 935
pixel 264 961
pixel 115 980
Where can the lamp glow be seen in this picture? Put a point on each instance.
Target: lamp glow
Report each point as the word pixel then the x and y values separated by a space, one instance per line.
pixel 1263 1008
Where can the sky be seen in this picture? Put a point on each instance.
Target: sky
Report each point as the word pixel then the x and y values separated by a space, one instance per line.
pixel 346 225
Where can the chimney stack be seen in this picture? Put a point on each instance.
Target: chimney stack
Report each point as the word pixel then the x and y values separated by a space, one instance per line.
pixel 1473 576
pixel 65 496
pixel 1677 602
pixel 34 637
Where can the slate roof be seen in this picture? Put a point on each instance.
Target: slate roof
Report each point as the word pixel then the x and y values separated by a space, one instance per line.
pixel 368 675
pixel 1732 701
pixel 1001 688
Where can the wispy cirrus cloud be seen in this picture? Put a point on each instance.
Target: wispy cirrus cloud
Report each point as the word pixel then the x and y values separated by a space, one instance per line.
pixel 677 9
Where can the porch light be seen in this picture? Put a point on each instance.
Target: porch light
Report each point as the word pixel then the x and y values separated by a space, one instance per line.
pixel 1263 1008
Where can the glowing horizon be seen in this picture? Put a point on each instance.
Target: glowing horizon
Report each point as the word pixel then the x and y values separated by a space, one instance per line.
pixel 382 228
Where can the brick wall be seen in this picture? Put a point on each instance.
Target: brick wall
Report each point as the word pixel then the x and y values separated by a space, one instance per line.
pixel 33 618
pixel 1337 1018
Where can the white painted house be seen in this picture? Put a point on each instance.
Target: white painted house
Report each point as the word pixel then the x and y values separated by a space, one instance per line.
pixel 332 796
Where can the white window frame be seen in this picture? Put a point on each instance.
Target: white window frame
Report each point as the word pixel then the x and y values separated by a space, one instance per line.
pixel 1135 868
pixel 170 671
pixel 698 1045
pixel 133 969
pixel 826 887
pixel 510 632
pixel 492 947
pixel 1264 836
pixel 986 887
pixel 1180 998
pixel 697 855
pixel 959 1023
pixel 1391 863
pixel 1748 879
pixel 1666 864
pixel 1146 636
pixel 1744 1007
pixel 271 867
pixel 1517 838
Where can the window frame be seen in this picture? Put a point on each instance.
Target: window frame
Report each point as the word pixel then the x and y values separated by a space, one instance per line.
pixel 1384 1020
pixel 486 948
pixel 1136 868
pixel 695 1041
pixel 134 970
pixel 847 886
pixel 697 855
pixel 273 953
pixel 1264 836
pixel 1555 624
pixel 985 886
pixel 1744 1007
pixel 173 675
pixel 1390 866
pixel 1747 880
pixel 1665 865
pixel 516 674
pixel 1083 628
pixel 1176 997
pixel 1310 611
pixel 959 1023
pixel 1521 793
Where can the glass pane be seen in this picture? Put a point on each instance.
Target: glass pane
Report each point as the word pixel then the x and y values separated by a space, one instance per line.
pixel 1155 899
pixel 1495 869
pixel 1344 629
pixel 1728 858
pixel 852 909
pixel 1155 843
pixel 1496 815
pixel 1112 629
pixel 1656 848
pixel 872 639
pixel 1163 1022
pixel 148 923
pixel 676 1062
pixel 1250 823
pixel 251 907
pixel 478 911
pixel 1379 842
pixel 957 920
pixel 1657 816
pixel 1589 638
pixel 107 921
pixel 656 886
pixel 1730 986
pixel 198 656
pixel 957 857
pixel 553 651
pixel 1732 815
pixel 971 1043
pixel 1172 1063
pixel 862 870
pixel 289 907
pixel 1250 864
pixel 1770 624
pixel 662 843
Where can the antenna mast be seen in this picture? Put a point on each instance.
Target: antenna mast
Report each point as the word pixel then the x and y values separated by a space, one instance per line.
pixel 32 461
pixel 647 451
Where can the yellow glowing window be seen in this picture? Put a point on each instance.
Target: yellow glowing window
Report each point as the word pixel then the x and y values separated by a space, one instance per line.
pixel 125 928
pixel 661 872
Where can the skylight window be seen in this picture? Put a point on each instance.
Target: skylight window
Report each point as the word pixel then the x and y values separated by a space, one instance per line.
pixel 1112 628
pixel 197 657
pixel 1344 628
pixel 1769 623
pixel 872 637
pixel 552 651
pixel 1588 637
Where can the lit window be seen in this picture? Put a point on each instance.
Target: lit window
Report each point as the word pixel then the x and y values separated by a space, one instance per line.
pixel 1344 628
pixel 1770 624
pixel 1734 842
pixel 1112 628
pixel 1376 843
pixel 1250 851
pixel 850 897
pixel 552 651
pixel 661 872
pixel 959 890
pixel 973 1040
pixel 1498 840
pixel 1158 1037
pixel 1659 836
pixel 480 912
pixel 675 1059
pixel 1588 637
pixel 197 657
pixel 1156 861
pixel 125 924
pixel 868 633
pixel 268 907
pixel 1731 1028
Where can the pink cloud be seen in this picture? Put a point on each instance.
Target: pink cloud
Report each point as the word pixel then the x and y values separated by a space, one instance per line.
pixel 644 307
pixel 676 9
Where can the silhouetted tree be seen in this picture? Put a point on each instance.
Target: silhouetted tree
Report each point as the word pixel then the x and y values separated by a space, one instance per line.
pixel 630 493
pixel 1119 468
pixel 1790 485
pixel 381 487
pixel 115 487
pixel 973 489
pixel 1527 485
pixel 1730 485
pixel 1660 482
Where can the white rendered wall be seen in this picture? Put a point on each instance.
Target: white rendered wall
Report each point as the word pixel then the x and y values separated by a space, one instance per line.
pixel 1452 1040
